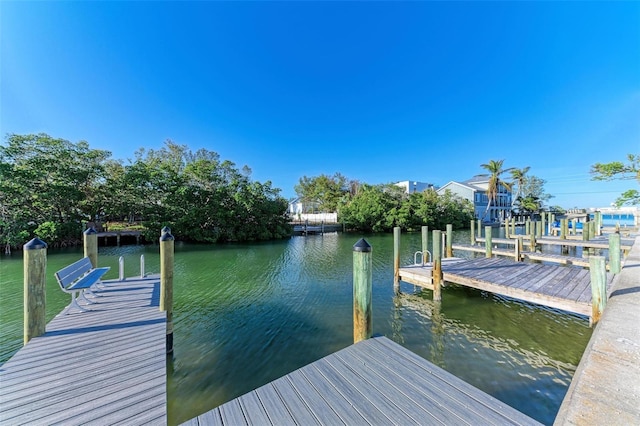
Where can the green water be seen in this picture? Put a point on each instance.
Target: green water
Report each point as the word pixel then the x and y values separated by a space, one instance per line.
pixel 246 314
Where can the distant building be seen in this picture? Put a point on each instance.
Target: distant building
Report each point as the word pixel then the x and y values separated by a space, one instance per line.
pixel 411 186
pixel 299 206
pixel 475 190
pixel 301 211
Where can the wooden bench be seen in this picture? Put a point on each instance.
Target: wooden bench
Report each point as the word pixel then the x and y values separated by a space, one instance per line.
pixel 78 277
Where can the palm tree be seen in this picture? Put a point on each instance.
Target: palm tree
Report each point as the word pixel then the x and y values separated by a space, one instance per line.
pixel 518 176
pixel 495 168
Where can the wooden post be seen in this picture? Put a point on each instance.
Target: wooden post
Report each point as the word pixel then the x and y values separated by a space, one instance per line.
pixel 543 226
pixel 487 241
pixel 598 273
pixel 506 228
pixel 425 243
pixel 166 281
pixel 396 260
pixel 598 223
pixel 527 227
pixel 449 240
pixel 473 232
pixel 538 228
pixel 519 248
pixel 574 227
pixel 90 237
pixel 437 265
pixel 362 291
pixel 513 225
pixel 614 253
pixel 479 228
pixel 35 279
pixel 532 241
pixel 592 230
pixel 563 229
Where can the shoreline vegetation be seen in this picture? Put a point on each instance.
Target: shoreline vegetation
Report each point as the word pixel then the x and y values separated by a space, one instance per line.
pixel 52 188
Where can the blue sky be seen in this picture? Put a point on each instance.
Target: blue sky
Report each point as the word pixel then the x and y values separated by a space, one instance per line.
pixel 378 91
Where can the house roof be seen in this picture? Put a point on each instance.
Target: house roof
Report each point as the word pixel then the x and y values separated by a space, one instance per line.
pixel 463 184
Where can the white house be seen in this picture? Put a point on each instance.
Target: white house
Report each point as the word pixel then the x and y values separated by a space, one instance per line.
pixel 300 210
pixel 475 190
pixel 411 186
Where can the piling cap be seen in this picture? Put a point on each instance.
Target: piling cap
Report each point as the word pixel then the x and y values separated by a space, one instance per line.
pixel 166 234
pixel 90 231
pixel 362 246
pixel 35 244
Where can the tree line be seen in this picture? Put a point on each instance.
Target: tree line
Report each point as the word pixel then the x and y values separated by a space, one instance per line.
pixel 51 187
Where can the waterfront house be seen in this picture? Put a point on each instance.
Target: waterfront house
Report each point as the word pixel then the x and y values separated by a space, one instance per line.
pixel 475 190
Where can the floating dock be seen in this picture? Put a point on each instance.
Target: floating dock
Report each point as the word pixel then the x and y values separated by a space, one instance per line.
pixel 561 287
pixel 104 366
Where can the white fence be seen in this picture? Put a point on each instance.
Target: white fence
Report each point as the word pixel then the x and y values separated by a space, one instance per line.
pixel 315 217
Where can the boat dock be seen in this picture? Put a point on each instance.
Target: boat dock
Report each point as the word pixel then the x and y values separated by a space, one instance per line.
pixel 560 287
pixel 108 365
pixel 375 381
pixel 104 366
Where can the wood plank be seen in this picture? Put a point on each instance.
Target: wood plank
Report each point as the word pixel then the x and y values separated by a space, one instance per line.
pixel 253 410
pixel 231 413
pixel 314 400
pixel 274 405
pixel 300 411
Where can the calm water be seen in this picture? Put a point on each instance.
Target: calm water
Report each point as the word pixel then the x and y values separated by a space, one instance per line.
pixel 246 314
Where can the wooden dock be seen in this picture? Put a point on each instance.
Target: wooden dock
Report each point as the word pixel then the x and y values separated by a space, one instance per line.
pixel 375 381
pixel 560 287
pixel 100 367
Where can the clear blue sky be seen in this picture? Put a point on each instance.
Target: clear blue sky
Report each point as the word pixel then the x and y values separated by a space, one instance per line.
pixel 378 91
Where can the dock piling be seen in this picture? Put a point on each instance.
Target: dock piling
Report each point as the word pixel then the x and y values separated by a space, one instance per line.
pixel 425 243
pixel 166 281
pixel 518 248
pixel 362 290
pixel 472 226
pixel 614 253
pixel 449 240
pixel 35 279
pixel 437 265
pixel 90 238
pixel 598 273
pixel 396 259
pixel 487 241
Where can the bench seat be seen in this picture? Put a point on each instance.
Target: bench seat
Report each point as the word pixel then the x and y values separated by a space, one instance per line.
pixel 77 278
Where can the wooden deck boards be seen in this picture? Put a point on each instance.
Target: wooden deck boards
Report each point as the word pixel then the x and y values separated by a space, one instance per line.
pixel 372 382
pixel 561 287
pixel 99 367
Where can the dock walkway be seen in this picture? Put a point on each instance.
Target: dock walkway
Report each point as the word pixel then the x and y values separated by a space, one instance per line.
pixel 100 367
pixel 606 386
pixel 375 381
pixel 561 287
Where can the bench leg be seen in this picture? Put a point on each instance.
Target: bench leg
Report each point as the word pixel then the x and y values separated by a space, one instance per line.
pixel 84 297
pixel 74 303
pixel 99 285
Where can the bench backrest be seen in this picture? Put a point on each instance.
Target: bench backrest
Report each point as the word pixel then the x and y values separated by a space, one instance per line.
pixel 69 274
